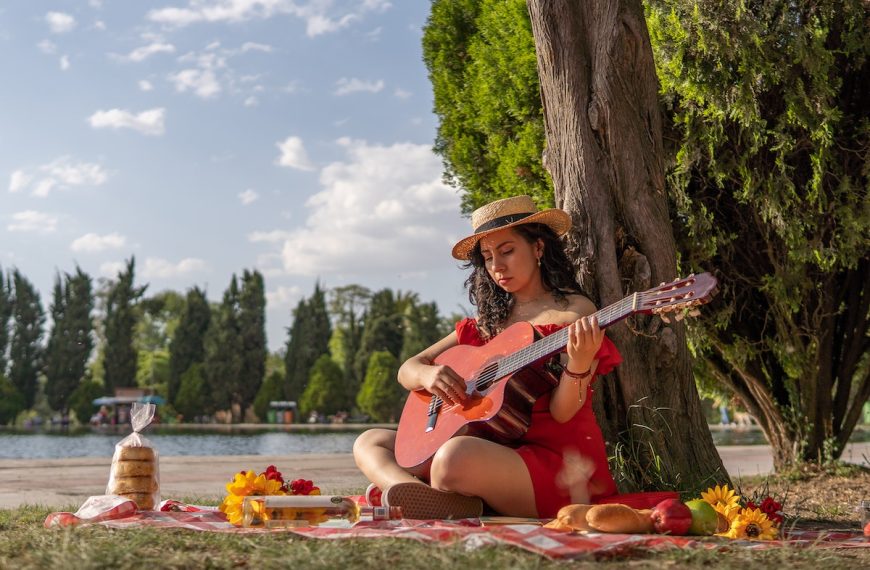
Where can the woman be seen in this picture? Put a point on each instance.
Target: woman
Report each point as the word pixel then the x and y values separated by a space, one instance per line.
pixel 520 272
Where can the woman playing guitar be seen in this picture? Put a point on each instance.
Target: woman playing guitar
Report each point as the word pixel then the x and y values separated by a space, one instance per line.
pixel 520 272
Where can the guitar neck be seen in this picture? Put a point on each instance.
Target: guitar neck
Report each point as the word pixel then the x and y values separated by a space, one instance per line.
pixel 556 342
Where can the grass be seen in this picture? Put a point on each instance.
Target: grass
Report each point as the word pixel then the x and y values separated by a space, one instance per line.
pixel 24 543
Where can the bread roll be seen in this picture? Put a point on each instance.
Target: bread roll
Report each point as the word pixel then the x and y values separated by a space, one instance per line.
pixel 122 485
pixel 145 501
pixel 619 519
pixel 574 517
pixel 134 454
pixel 133 469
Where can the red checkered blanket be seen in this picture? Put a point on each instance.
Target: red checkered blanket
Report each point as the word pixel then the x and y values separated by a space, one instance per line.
pixel 115 512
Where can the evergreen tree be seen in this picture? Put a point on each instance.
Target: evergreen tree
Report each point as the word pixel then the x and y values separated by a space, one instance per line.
pixel 25 350
pixel 152 370
pixel 82 398
pixel 309 339
pixel 157 318
pixel 348 305
pixel 272 389
pixel 422 329
pixel 192 399
pixel 766 108
pixel 382 333
pixel 121 356
pixel 381 396
pixel 71 340
pixel 252 327
pixel 186 347
pixel 223 351
pixel 11 401
pixel 324 392
pixel 5 315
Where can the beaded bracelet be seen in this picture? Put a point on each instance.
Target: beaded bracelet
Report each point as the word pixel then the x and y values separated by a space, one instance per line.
pixel 577 375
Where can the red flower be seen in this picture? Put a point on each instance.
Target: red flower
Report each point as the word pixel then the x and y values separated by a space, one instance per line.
pixel 772 509
pixel 273 474
pixel 303 487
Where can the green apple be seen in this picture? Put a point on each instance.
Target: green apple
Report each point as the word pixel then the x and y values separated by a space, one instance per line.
pixel 704 517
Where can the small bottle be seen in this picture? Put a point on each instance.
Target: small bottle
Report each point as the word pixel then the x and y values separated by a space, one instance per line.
pixel 282 511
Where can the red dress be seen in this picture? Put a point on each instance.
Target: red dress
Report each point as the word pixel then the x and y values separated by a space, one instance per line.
pixel 543 447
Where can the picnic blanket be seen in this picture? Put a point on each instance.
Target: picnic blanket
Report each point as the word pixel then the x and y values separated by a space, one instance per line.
pixel 115 512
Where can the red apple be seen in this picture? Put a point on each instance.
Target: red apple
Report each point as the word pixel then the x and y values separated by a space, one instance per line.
pixel 867 529
pixel 671 516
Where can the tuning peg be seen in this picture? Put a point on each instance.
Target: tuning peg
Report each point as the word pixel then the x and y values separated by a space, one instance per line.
pixel 679 316
pixel 694 313
pixel 664 318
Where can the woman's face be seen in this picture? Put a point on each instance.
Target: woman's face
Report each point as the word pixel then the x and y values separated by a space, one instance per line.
pixel 510 260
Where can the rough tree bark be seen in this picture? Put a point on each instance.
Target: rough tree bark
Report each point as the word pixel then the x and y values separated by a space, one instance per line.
pixel 604 153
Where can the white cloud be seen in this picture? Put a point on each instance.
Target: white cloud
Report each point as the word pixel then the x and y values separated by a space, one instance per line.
pixel 251 101
pixel 253 46
pixel 275 236
pixel 59 22
pixel 347 86
pixel 92 242
pixel 19 180
pixel 111 269
pixel 64 62
pixel 47 47
pixel 293 154
pixel 248 197
pixel 150 122
pixel 145 85
pixel 283 297
pixel 161 268
pixel 320 16
pixel 382 209
pixel 61 173
pixel 401 93
pixel 99 25
pixel 203 82
pixel 144 52
pixel 32 221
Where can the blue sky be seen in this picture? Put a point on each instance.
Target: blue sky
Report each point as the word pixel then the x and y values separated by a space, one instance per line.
pixel 209 136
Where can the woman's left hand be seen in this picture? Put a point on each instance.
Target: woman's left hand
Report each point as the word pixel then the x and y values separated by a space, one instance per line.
pixel 584 340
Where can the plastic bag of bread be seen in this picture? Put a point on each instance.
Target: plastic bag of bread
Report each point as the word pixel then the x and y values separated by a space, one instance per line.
pixel 135 474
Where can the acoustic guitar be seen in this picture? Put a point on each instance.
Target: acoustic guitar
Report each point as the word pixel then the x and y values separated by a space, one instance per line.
pixel 501 383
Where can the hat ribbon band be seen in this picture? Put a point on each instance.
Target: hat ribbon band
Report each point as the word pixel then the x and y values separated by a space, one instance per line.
pixel 501 221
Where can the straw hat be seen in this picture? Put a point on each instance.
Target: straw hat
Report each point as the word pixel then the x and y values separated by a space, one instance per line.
pixel 508 213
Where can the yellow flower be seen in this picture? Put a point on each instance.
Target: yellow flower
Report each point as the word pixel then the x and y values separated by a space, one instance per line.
pixel 244 484
pixel 723 500
pixel 752 524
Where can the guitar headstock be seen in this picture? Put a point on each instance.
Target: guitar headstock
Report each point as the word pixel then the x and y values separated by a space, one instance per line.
pixel 680 296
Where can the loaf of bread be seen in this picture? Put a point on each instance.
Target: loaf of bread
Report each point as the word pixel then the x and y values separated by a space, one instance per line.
pixel 613 518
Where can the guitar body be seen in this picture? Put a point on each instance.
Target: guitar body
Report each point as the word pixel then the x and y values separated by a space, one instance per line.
pixel 499 412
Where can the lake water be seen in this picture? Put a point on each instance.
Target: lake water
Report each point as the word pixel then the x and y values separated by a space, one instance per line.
pixel 169 442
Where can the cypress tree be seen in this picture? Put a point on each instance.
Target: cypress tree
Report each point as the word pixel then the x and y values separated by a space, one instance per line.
pixel 347 306
pixel 252 327
pixel 121 356
pixel 223 351
pixel 323 392
pixel 25 351
pixel 186 347
pixel 191 399
pixel 309 339
pixel 422 329
pixel 381 396
pixel 71 341
pixel 5 314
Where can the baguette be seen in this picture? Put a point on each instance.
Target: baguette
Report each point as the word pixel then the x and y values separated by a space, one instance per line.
pixel 618 518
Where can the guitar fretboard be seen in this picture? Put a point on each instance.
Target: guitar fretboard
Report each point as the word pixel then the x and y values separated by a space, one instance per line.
pixel 555 342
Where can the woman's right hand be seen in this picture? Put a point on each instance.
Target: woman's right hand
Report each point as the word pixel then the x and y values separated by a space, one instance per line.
pixel 442 381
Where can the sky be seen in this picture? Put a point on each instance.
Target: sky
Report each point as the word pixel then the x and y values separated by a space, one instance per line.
pixel 206 137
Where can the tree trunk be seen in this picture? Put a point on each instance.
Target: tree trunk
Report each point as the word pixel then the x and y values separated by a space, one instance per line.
pixel 603 127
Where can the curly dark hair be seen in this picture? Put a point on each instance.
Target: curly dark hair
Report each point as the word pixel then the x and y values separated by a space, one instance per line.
pixel 494 304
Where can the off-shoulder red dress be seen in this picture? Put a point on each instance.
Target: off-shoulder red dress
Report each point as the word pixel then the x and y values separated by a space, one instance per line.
pixel 543 447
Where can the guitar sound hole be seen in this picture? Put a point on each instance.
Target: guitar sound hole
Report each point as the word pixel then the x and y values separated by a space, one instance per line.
pixel 487 376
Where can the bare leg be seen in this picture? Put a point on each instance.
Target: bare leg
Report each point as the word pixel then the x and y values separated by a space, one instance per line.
pixel 493 472
pixel 375 454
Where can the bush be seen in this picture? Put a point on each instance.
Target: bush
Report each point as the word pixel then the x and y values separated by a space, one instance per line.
pixel 81 401
pixel 11 401
pixel 190 401
pixel 324 391
pixel 381 396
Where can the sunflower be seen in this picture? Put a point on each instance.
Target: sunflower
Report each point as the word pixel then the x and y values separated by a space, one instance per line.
pixel 724 500
pixel 244 484
pixel 752 524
